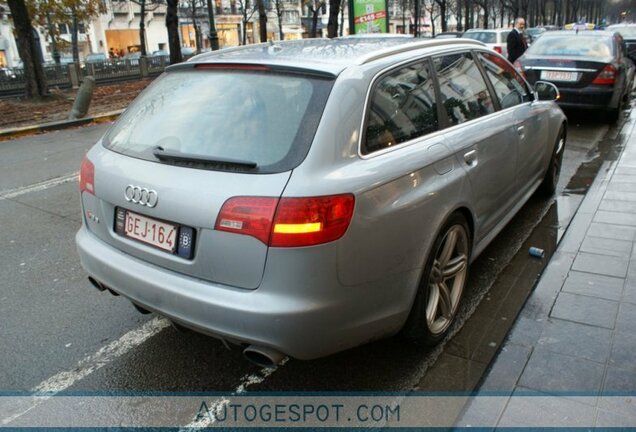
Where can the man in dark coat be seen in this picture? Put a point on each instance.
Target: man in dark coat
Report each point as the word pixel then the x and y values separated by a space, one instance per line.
pixel 516 42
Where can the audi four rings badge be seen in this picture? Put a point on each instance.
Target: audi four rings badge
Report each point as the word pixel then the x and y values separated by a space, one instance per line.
pixel 143 196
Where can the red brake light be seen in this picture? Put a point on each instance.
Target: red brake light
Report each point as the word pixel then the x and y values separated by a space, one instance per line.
pixel 498 49
pixel 288 222
pixel 311 221
pixel 87 176
pixel 251 216
pixel 607 76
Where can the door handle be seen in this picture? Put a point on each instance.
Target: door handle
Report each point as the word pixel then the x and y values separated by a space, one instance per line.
pixel 470 157
pixel 521 131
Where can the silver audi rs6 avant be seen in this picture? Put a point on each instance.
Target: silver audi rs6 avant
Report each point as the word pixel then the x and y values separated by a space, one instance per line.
pixel 304 197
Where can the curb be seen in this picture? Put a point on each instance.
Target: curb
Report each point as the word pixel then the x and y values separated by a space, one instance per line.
pixel 58 125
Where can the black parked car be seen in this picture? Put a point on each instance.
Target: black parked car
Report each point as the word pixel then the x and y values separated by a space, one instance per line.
pixel 589 68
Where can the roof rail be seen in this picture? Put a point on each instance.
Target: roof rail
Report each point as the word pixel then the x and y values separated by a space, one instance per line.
pixel 385 52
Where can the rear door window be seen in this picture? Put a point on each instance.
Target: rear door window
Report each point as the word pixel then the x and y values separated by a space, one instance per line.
pixel 463 90
pixel 402 107
pixel 510 87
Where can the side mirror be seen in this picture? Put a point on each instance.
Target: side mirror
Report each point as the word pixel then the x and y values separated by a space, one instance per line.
pixel 546 91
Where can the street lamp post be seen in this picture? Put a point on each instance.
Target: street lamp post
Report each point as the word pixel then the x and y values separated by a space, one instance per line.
pixel 213 36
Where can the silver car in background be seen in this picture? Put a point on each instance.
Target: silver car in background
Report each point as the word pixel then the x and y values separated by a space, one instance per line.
pixel 304 197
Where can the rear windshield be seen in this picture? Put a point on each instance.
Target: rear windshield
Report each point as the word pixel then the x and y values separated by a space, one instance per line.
pixel 262 117
pixel 572 46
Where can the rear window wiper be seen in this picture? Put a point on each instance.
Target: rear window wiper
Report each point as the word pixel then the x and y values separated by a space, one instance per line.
pixel 174 156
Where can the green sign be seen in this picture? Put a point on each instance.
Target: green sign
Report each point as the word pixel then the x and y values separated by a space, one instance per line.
pixel 369 16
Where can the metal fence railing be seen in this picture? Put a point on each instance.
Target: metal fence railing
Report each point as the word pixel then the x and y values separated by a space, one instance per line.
pixel 12 81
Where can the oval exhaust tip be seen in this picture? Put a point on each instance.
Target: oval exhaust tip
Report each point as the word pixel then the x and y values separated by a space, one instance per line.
pixel 263 356
pixel 96 284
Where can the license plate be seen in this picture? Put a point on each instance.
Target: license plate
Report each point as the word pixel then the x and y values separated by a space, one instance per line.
pixel 153 232
pixel 559 76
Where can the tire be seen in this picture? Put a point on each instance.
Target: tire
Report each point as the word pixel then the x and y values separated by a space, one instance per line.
pixel 614 115
pixel 438 295
pixel 549 184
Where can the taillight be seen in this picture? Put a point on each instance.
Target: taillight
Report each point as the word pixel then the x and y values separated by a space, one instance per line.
pixel 498 49
pixel 288 222
pixel 251 216
pixel 87 176
pixel 311 221
pixel 607 76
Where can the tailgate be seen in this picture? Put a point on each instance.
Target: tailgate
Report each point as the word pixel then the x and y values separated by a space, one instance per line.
pixel 187 201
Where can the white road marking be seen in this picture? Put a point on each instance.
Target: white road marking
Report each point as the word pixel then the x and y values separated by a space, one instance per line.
pixel 13 193
pixel 246 381
pixel 90 364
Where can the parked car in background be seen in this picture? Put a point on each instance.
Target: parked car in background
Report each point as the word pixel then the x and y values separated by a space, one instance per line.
pixel 98 62
pixel 6 74
pixel 533 33
pixel 628 32
pixel 133 58
pixel 494 38
pixel 588 67
pixel 187 52
pixel 334 192
pixel 160 53
pixel 447 35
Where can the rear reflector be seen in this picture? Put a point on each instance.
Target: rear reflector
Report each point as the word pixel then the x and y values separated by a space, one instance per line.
pixel 498 49
pixel 87 176
pixel 288 222
pixel 606 77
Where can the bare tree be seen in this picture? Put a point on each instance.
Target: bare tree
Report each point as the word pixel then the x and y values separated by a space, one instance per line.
pixel 442 13
pixel 145 6
pixel 262 20
pixel 279 8
pixel 332 24
pixel 248 9
pixel 33 71
pixel 172 26
pixel 314 7
pixel 193 8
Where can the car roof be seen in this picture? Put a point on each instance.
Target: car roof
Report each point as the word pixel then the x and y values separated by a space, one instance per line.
pixel 581 33
pixel 497 30
pixel 329 56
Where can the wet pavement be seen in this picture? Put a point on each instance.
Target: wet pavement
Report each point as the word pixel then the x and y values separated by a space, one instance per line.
pixel 576 335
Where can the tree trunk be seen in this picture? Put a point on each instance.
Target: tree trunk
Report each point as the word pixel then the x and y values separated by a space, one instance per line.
pixel 74 44
pixel 314 23
pixel 442 12
pixel 142 27
pixel 172 25
pixel 279 17
pixel 332 24
pixel 468 14
pixel 262 20
pixel 33 72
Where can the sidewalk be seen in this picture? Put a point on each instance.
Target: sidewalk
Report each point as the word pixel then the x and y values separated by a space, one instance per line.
pixel 576 334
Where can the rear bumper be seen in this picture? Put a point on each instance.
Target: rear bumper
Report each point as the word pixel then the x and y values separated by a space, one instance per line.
pixel 308 321
pixel 598 97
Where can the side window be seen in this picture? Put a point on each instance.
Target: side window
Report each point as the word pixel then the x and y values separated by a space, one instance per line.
pixel 510 88
pixel 463 89
pixel 402 107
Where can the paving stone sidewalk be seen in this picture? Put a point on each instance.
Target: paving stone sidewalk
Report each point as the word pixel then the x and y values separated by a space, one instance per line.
pixel 576 335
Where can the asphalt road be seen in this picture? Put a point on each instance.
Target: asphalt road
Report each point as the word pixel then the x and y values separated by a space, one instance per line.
pixel 60 334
